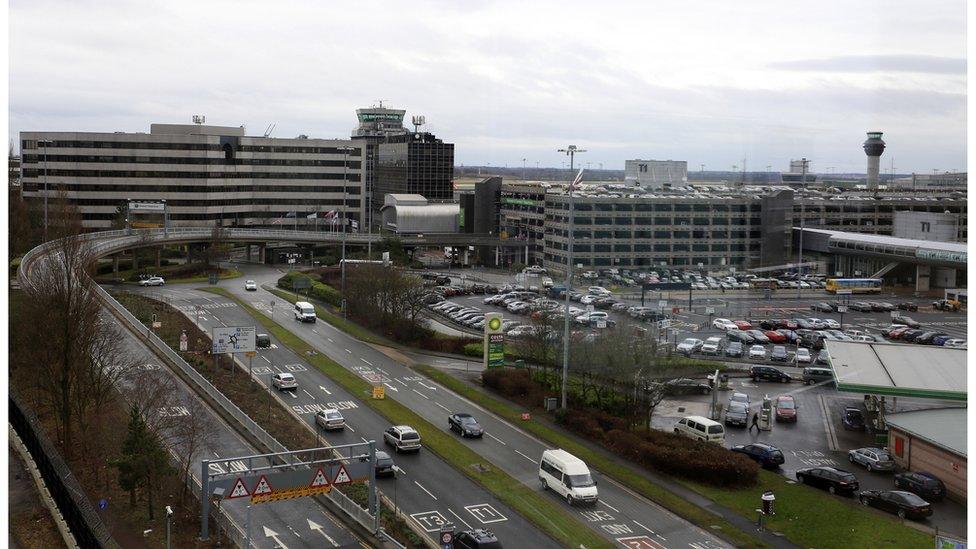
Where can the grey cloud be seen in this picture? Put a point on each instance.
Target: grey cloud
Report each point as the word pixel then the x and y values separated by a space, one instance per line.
pixel 877 63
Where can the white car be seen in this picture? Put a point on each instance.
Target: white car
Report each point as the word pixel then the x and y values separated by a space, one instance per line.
pixel 598 291
pixel 803 356
pixel 152 281
pixel 547 282
pixel 955 343
pixel 723 324
pixel 284 382
pixel 712 346
pixel 592 317
pixel 330 419
pixel 250 285
pixel 588 299
pixel 690 345
pixel 831 323
pixel 757 352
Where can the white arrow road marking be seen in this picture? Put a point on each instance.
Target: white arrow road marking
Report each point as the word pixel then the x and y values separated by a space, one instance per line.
pixel 425 490
pixel 398 470
pixel 496 438
pixel 325 390
pixel 309 394
pixel 443 407
pixel 315 526
pixel 451 511
pixel 526 457
pixel 269 533
pixel 392 388
pixel 364 360
pixel 422 384
pixel 421 394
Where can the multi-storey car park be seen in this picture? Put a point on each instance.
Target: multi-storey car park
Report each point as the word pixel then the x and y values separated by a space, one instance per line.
pixel 206 174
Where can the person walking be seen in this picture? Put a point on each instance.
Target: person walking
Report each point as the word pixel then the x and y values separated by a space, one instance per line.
pixel 755 422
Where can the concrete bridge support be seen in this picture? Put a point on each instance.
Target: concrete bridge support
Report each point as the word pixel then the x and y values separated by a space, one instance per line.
pixel 923 274
pixel 159 257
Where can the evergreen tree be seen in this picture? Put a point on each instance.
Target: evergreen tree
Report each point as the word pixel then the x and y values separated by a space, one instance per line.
pixel 144 460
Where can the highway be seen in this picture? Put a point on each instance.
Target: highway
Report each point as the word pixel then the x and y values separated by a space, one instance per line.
pixel 620 516
pixel 426 488
pixel 284 524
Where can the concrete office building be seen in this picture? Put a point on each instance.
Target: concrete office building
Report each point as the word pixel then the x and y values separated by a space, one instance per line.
pixel 656 174
pixel 206 174
pixel 522 215
pixel 376 125
pixel 414 163
pixel 935 226
pixel 948 181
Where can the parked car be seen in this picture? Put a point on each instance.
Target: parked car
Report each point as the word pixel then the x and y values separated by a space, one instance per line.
pixel 775 337
pixel 831 323
pixel 739 336
pixel 924 484
pixel 330 419
pixel 835 481
pixel 873 459
pixel 928 338
pixel 690 346
pixel 907 321
pixel 284 382
pixel 768 373
pixel 785 408
pixel 723 324
pixel 908 336
pixel 906 306
pixel 758 336
pixel 823 358
pixel 852 419
pixel 757 352
pixel 903 504
pixel 860 306
pixel 403 438
pixel 742 325
pixel 779 353
pixel 764 454
pixel 734 349
pixel 685 386
pixel 152 281
pixel 737 413
pixel 465 425
pixel 476 539
pixel 958 343
pixel 712 346
pixel 803 355
pixel 822 306
pixel 250 285
pixel 813 375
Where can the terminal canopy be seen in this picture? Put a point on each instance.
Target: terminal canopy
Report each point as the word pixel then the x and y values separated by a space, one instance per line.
pixel 898 370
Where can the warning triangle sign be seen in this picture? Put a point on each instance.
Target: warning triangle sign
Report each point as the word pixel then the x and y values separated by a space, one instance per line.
pixel 319 479
pixel 262 487
pixel 239 490
pixel 342 477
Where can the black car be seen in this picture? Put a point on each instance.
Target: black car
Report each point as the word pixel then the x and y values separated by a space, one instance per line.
pixel 465 425
pixel 835 481
pixel 903 504
pixel 779 353
pixel 822 306
pixel 927 337
pixel 823 358
pixel 853 419
pixel 860 306
pixel 262 341
pixel 763 454
pixel 384 464
pixel 740 336
pixel 734 349
pixel 905 306
pixel 925 485
pixel 768 373
pixel 476 539
pixel 910 335
pixel 685 386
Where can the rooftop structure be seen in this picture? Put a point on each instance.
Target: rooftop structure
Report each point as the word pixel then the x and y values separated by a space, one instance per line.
pixel 898 370
pixel 944 427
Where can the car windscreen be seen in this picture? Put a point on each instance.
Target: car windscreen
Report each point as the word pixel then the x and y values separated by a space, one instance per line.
pixel 411 436
pixel 580 481
pixel 715 429
pixel 786 404
pixel 468 420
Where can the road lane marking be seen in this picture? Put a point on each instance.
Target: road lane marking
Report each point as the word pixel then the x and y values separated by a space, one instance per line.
pixel 443 407
pixel 615 510
pixel 526 457
pixel 366 361
pixel 293 395
pixel 325 390
pixel 266 359
pixel 828 425
pixel 350 428
pixel 425 490
pixel 422 384
pixel 309 394
pixel 496 438
pixel 401 382
pixel 348 351
pixel 330 340
pixel 314 331
pixel 451 511
pixel 421 394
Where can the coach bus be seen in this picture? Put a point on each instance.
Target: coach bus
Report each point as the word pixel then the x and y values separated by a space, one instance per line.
pixel 854 285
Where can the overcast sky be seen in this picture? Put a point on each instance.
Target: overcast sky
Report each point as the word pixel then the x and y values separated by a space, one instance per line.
pixel 707 82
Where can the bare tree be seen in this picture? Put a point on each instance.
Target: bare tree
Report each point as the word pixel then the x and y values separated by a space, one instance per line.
pixel 217 248
pixel 192 435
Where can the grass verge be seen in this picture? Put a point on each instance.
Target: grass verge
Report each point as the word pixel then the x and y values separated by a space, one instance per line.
pixel 537 509
pixel 329 316
pixel 804 515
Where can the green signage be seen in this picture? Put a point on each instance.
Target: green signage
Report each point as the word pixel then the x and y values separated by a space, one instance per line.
pixel 520 201
pixel 494 341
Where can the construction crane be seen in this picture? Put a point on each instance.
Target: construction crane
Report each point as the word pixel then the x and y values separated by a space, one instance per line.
pixel 271 128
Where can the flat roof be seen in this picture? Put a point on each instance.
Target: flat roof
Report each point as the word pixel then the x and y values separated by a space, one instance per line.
pixel 898 369
pixel 944 427
pixel 884 240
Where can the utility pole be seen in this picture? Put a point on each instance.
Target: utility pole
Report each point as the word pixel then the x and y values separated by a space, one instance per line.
pixel 799 249
pixel 571 151
pixel 345 220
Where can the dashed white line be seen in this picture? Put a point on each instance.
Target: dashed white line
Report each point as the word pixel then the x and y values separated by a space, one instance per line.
pixel 266 359
pixel 443 407
pixel 364 360
pixel 330 340
pixel 526 457
pixel 421 394
pixel 425 490
pixel 309 394
pixel 348 351
pixel 644 527
pixel 400 381
pixel 614 509
pixel 459 518
pixel 350 428
pixel 502 442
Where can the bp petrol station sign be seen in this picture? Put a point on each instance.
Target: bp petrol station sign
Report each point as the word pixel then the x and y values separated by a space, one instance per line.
pixel 494 341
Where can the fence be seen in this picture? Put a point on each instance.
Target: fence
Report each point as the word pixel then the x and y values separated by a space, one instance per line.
pixel 78 512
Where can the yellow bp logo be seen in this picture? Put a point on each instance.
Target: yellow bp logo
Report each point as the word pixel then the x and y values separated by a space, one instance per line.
pixel 495 324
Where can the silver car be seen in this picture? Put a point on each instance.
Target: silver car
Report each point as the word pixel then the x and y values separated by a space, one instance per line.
pixel 873 459
pixel 330 419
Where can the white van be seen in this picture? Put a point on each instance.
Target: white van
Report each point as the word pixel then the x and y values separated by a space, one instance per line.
pixel 700 428
pixel 304 311
pixel 568 476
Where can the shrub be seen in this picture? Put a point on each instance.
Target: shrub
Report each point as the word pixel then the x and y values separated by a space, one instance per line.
pixel 474 349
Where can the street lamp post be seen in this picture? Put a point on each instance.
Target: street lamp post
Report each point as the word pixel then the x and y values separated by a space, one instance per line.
pixel 799 249
pixel 571 151
pixel 345 165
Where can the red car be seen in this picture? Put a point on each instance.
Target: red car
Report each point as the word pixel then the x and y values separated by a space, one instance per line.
pixel 742 325
pixel 775 337
pixel 789 324
pixel 785 408
pixel 896 334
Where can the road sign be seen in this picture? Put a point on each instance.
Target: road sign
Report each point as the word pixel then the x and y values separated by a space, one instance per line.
pixel 841 309
pixel 319 480
pixel 233 339
pixel 239 491
pixel 183 341
pixel 251 354
pixel 157 324
pixel 342 477
pixel 447 538
pixel 601 323
pixel 103 504
pixel 709 310
pixel 379 392
pixel 301 283
pixel 262 487
pixel 662 304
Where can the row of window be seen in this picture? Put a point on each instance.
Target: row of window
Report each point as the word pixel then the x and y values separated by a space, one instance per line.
pixel 230 219
pixel 34 186
pixel 215 203
pixel 192 160
pixel 654 207
pixel 630 248
pixel 33 173
pixel 659 221
pixel 32 144
pixel 657 235
pixel 649 261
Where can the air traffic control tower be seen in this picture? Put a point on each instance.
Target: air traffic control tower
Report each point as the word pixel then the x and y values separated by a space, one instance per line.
pixel 874 147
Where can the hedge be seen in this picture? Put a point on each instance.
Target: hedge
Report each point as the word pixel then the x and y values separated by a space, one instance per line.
pixel 318 290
